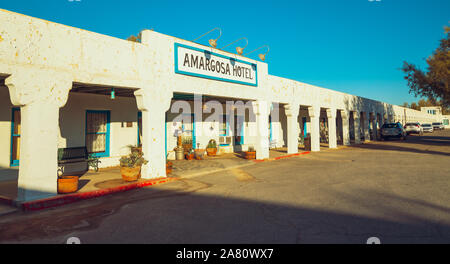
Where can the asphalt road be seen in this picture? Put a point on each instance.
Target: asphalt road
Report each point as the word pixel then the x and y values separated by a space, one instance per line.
pixel 395 190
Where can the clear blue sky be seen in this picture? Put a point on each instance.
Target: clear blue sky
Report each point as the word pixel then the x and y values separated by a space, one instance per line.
pixel 353 46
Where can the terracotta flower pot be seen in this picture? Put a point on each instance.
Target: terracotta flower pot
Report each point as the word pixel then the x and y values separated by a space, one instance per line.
pixel 211 151
pixel 250 155
pixel 67 184
pixel 199 154
pixel 130 174
pixel 190 156
pixel 169 165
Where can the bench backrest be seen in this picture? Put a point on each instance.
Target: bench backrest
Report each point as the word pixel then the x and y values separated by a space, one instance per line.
pixel 72 153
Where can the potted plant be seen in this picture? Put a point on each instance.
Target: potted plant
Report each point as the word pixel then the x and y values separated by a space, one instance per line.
pixel 130 166
pixel 250 153
pixel 199 154
pixel 211 149
pixel 169 165
pixel 190 154
pixel 307 142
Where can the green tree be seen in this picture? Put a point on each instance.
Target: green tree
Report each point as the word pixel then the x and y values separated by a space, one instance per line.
pixel 433 83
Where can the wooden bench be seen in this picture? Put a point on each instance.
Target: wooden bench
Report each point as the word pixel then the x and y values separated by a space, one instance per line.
pixel 74 155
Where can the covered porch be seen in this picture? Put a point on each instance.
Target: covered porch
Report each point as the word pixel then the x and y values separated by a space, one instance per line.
pixel 104 120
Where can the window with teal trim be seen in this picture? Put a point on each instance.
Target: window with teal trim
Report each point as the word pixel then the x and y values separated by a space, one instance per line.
pixel 224 126
pixel 98 132
pixel 188 129
pixel 15 136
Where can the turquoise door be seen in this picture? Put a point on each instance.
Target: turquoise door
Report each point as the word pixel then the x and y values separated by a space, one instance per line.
pixel 305 132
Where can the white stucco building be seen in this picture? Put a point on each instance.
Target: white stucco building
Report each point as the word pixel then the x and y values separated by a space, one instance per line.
pixel 437 112
pixel 66 87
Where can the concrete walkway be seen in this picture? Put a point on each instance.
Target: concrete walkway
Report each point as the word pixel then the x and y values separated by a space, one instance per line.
pixel 111 178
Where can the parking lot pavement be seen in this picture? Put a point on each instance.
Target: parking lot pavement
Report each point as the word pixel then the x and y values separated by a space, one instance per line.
pixel 394 190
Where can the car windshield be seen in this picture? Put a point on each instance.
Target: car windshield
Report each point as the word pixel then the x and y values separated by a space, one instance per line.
pixel 411 124
pixel 390 126
pixel 426 125
pixel 435 123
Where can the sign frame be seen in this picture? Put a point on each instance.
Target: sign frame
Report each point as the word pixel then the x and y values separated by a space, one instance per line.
pixel 176 45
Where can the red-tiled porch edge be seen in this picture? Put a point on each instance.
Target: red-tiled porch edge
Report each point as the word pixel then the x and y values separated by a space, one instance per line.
pixel 283 157
pixel 74 197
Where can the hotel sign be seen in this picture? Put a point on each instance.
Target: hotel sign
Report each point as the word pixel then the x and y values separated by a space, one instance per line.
pixel 206 64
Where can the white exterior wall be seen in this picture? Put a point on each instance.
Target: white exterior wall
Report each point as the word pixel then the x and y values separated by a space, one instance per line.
pixel 73 123
pixel 203 133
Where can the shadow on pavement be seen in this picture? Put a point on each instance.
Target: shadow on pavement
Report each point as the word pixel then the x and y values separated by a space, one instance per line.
pixel 177 214
pixel 400 145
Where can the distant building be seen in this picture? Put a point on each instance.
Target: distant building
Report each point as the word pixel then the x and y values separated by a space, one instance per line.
pixel 432 110
pixel 437 110
pixel 445 121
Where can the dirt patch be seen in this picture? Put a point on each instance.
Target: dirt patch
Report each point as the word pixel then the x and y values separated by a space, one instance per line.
pixel 242 175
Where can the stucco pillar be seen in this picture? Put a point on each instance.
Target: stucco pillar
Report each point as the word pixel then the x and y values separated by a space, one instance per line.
pixel 374 125
pixel 262 111
pixel 332 138
pixel 39 94
pixel 345 127
pixel 153 106
pixel 292 111
pixel 356 126
pixel 365 125
pixel 384 119
pixel 314 115
pixel 390 118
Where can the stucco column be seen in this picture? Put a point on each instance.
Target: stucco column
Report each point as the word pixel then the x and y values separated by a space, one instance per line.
pixel 39 94
pixel 384 118
pixel 345 127
pixel 153 106
pixel 390 118
pixel 292 111
pixel 262 111
pixel 365 125
pixel 314 115
pixel 332 138
pixel 356 126
pixel 374 125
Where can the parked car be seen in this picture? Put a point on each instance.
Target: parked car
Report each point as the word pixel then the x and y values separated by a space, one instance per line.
pixel 413 128
pixel 438 126
pixel 396 130
pixel 427 128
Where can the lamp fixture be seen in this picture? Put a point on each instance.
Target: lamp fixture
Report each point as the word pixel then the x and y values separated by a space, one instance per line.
pixel 261 56
pixel 113 94
pixel 239 50
pixel 212 42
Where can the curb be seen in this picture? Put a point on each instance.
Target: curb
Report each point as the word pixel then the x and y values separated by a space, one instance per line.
pixel 283 157
pixel 75 197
